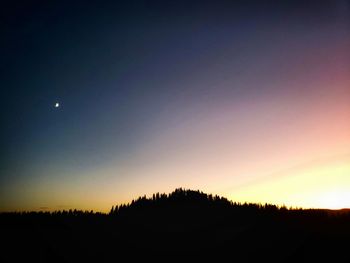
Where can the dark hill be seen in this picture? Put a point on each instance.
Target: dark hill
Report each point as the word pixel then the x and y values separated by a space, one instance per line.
pixel 185 225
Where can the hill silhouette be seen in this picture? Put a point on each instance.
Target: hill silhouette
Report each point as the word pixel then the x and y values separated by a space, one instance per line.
pixel 184 225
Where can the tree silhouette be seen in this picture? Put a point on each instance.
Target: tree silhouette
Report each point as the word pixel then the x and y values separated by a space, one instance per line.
pixel 187 224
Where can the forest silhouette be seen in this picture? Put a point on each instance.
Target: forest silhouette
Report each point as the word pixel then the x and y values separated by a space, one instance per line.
pixel 185 225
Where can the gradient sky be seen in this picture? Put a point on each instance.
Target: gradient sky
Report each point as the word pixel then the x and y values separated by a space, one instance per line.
pixel 249 100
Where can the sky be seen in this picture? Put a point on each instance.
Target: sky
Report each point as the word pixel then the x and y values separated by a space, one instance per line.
pixel 245 99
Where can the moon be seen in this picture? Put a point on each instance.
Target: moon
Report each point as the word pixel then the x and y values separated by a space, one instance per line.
pixel 57 104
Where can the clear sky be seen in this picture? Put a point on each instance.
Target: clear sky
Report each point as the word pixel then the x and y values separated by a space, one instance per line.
pixel 245 99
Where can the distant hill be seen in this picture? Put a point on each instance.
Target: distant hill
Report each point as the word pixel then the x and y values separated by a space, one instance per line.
pixel 184 225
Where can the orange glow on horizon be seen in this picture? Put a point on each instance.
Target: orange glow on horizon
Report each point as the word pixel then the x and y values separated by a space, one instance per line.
pixel 321 186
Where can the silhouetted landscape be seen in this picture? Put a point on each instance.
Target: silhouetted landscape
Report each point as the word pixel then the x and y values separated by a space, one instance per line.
pixel 183 225
pixel 104 101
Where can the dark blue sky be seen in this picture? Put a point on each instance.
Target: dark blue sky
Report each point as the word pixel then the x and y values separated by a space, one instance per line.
pixel 123 72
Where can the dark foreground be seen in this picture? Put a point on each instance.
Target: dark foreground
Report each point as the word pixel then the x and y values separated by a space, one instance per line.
pixel 183 226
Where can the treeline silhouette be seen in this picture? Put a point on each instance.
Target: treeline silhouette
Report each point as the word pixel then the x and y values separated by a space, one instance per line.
pixel 184 225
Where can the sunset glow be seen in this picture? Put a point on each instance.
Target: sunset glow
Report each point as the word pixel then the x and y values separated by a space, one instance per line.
pixel 321 186
pixel 251 102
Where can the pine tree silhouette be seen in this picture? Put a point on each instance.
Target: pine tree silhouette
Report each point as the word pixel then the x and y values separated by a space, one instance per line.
pixel 185 224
